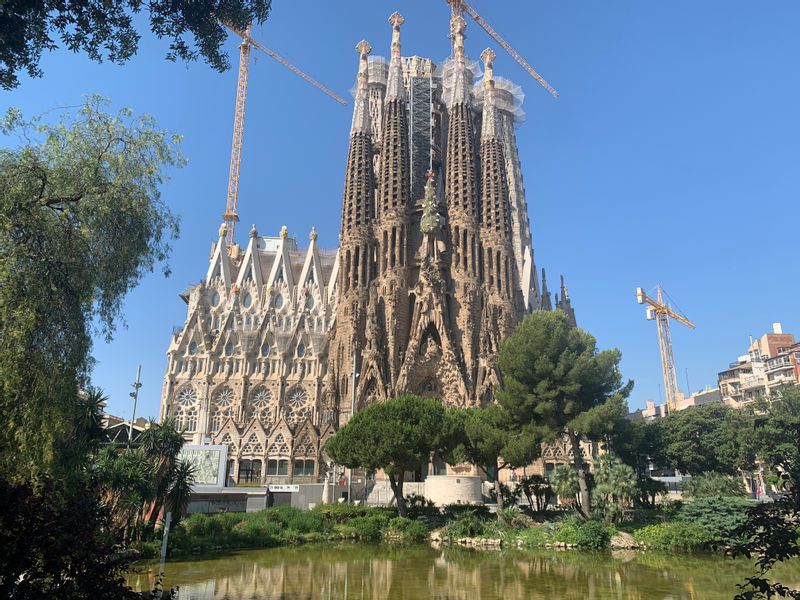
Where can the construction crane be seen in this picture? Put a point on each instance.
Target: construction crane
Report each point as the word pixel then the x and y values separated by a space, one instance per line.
pixel 458 7
pixel 231 216
pixel 661 312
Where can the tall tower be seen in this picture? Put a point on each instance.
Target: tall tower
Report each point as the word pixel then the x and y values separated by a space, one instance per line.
pixel 461 198
pixel 356 267
pixel 392 218
pixel 497 267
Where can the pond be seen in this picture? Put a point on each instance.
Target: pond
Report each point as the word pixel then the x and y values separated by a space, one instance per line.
pixel 362 571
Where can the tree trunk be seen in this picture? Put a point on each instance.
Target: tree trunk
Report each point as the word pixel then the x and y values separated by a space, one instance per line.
pixel 397 488
pixel 580 466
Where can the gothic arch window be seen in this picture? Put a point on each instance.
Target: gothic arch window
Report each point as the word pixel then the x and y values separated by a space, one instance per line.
pixel 309 301
pixel 215 299
pixel 260 405
pixel 229 349
pixel 278 302
pixel 247 301
pixel 305 447
pixel 297 406
pixel 192 348
pixel 279 447
pixel 221 407
pixel 265 349
pixel 301 350
pixel 186 410
pixel 227 440
pixel 253 446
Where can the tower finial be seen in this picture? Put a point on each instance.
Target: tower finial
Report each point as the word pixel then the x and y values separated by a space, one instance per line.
pixel 395 90
pixel 361 109
pixel 457 28
pixel 489 129
pixel 223 230
pixel 284 232
pixel 313 235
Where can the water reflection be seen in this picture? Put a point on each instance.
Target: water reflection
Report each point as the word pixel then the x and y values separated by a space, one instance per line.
pixel 417 572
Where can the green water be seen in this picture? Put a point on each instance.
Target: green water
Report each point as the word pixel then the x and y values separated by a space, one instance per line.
pixel 418 572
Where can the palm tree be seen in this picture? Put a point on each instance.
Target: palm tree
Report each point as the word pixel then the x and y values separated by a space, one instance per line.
pixel 161 445
pixel 181 480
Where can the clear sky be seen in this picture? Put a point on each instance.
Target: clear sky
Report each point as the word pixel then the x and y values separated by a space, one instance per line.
pixel 671 156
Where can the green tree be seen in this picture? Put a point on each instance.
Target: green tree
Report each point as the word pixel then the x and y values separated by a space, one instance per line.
pixel 181 480
pixel 536 489
pixel 710 437
pixel 564 480
pixel 713 484
pixel 554 377
pixel 615 486
pixel 771 530
pixel 81 221
pixel 398 436
pixel 488 440
pixel 161 444
pixel 105 30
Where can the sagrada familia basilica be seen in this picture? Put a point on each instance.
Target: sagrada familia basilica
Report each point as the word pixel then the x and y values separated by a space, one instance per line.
pixel 434 269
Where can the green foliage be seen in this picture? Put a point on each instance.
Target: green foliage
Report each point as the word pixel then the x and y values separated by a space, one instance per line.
pixel 771 531
pixel 398 436
pixel 648 489
pixel 535 537
pixel 536 490
pixel 514 518
pixel 341 513
pixel 720 515
pixel 615 487
pixel 589 534
pixel 507 497
pixel 54 546
pixel 713 484
pixel 410 530
pixel 105 30
pixel 675 536
pixel 709 437
pixel 469 523
pixel 564 480
pixel 556 381
pixel 81 222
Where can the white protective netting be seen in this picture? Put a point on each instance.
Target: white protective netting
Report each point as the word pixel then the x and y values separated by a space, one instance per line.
pixel 446 71
pixel 378 72
pixel 508 97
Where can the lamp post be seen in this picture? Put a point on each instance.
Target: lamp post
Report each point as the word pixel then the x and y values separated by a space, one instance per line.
pixel 135 395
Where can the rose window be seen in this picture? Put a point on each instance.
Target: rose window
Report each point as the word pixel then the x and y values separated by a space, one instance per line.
pixel 297 409
pixel 186 410
pixel 260 405
pixel 187 397
pixel 224 397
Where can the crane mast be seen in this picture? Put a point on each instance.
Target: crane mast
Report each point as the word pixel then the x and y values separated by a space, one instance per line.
pixel 230 216
pixel 661 313
pixel 458 7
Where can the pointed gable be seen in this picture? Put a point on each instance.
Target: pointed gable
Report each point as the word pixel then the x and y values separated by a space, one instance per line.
pixel 251 269
pixel 282 266
pixel 220 265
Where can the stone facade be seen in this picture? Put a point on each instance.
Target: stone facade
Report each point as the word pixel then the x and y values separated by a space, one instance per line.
pixel 281 346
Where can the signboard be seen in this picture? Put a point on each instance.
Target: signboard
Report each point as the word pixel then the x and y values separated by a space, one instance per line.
pixel 284 488
pixel 209 464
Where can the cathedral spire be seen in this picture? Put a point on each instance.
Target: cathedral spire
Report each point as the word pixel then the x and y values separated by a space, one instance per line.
pixel 547 303
pixel 461 84
pixel 489 130
pixel 361 118
pixel 395 90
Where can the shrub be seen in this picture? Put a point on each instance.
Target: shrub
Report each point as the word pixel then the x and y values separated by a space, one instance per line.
pixel 675 536
pixel 341 513
pixel 590 534
pixel 369 528
pixel 467 524
pixel 453 511
pixel 535 537
pixel 514 518
pixel 409 529
pixel 713 484
pixel 720 515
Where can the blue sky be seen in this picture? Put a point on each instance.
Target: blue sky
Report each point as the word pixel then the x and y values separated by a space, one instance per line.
pixel 670 157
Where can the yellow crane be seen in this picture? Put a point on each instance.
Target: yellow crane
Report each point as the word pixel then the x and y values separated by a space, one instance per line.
pixel 459 7
pixel 231 216
pixel 661 313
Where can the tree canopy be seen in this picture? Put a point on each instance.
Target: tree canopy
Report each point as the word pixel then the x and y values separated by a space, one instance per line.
pixel 81 222
pixel 706 438
pixel 554 377
pixel 106 30
pixel 397 436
